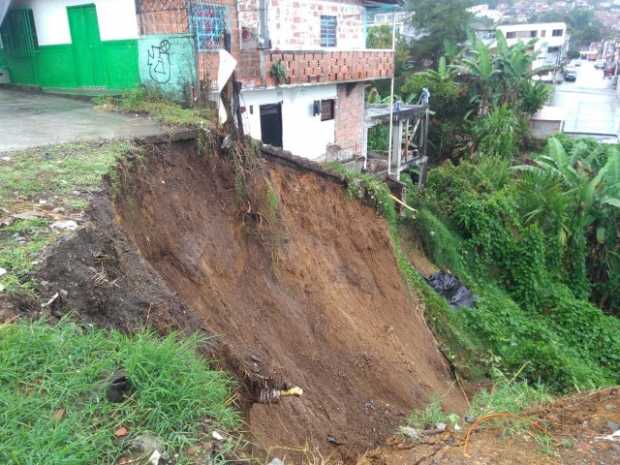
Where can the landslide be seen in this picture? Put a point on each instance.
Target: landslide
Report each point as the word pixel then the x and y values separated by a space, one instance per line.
pixel 297 283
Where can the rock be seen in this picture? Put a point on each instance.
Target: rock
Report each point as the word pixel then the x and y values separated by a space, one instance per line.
pixel 2 271
pixel 469 419
pixel 441 427
pixel 613 426
pixel 69 225
pixel 276 461
pixel 5 158
pixel 409 432
pixel 217 436
pixel 146 444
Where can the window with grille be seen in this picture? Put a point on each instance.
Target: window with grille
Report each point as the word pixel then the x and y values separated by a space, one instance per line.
pixel 19 36
pixel 511 35
pixel 329 28
pixel 209 23
pixel 558 33
pixel 328 109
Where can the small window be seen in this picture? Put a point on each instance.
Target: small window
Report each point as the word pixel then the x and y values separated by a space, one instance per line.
pixel 558 33
pixel 533 33
pixel 329 27
pixel 511 35
pixel 543 33
pixel 328 109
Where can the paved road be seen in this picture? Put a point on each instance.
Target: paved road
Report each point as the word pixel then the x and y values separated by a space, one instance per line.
pixel 591 105
pixel 33 119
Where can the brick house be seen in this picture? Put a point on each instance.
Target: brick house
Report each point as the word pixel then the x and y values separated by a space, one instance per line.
pixel 303 64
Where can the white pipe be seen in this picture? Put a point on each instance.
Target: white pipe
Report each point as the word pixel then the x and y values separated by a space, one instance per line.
pixel 392 96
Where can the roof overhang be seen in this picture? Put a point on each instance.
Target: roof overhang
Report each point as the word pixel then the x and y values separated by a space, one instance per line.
pixel 391 4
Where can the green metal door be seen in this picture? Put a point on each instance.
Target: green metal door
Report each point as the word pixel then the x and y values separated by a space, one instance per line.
pixel 87 50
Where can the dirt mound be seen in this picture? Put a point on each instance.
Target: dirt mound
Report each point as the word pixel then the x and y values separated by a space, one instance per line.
pixel 572 431
pixel 298 282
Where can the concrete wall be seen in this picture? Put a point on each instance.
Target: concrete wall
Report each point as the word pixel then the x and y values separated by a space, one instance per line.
pixel 166 62
pixel 543 129
pixel 303 134
pixel 117 19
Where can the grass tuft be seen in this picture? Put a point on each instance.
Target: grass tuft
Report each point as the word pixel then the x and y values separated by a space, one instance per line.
pixel 53 407
pixel 149 102
pixel 40 182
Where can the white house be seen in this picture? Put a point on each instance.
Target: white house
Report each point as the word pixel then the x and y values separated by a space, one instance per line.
pixel 550 40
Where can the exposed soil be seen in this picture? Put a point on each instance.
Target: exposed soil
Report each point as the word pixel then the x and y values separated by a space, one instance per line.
pixel 298 282
pixel 576 430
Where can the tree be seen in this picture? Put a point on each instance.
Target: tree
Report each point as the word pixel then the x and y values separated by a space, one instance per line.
pixel 583 25
pixel 438 23
pixel 379 37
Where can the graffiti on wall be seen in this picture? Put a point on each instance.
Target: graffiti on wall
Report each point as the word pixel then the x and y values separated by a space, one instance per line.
pixel 209 24
pixel 159 62
pixel 167 63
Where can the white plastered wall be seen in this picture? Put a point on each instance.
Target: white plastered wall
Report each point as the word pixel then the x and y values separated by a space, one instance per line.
pixel 117 19
pixel 303 134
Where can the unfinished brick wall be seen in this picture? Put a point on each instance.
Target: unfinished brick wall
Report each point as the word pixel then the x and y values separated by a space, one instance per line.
pixel 162 16
pixel 350 116
pixel 173 17
pixel 296 24
pixel 326 66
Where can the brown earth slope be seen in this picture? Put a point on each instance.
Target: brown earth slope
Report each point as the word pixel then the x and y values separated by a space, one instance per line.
pixel 299 283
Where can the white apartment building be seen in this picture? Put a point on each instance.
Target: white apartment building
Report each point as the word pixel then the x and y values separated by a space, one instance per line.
pixel 550 40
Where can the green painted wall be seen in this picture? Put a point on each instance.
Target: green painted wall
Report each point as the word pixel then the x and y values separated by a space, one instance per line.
pixel 87 63
pixel 54 66
pixel 166 62
pixel 120 59
pixel 2 60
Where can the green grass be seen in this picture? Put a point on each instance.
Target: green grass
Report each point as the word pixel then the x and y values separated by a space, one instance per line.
pixel 61 176
pixel 164 110
pixel 53 408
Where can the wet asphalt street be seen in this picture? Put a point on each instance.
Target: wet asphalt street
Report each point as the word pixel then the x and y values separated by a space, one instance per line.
pixel 591 106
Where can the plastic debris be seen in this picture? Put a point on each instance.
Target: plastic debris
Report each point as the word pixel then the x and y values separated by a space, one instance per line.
pixel 66 225
pixel 272 396
pixel 452 289
pixel 409 432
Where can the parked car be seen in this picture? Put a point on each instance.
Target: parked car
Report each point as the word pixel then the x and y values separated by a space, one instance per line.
pixel 600 64
pixel 570 75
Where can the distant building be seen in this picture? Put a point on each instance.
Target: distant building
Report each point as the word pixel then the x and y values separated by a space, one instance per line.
pixel 483 11
pixel 549 40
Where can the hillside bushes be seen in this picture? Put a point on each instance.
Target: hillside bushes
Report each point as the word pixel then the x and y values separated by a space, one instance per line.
pixel 524 240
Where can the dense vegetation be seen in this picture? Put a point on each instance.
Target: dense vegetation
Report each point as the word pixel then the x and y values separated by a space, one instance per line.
pixel 533 229
pixel 530 245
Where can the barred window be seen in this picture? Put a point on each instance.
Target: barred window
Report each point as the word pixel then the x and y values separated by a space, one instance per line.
pixel 329 27
pixel 209 23
pixel 328 109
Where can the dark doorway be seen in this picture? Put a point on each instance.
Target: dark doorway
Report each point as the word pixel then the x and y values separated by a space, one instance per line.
pixel 271 124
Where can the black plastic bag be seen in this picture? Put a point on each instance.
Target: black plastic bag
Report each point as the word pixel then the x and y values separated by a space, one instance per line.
pixel 448 285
